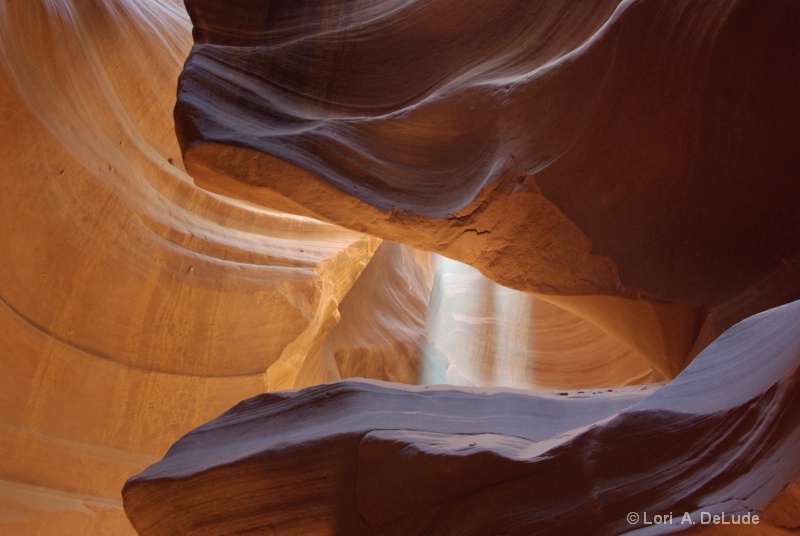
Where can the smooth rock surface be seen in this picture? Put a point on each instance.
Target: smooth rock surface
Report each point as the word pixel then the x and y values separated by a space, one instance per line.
pixel 135 306
pixel 372 458
pixel 635 150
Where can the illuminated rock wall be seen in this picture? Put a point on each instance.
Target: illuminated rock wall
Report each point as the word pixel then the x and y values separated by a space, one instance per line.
pixel 642 151
pixel 135 305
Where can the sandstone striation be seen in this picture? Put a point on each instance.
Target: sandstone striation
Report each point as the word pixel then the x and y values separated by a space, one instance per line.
pixel 133 305
pixel 634 150
pixel 380 459
pixel 625 169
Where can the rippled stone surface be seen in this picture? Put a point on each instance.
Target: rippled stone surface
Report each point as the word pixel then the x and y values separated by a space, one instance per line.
pixel 135 305
pixel 371 458
pixel 635 150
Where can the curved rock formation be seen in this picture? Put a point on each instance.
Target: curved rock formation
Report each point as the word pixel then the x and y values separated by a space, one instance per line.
pixel 134 305
pixel 375 459
pixel 630 149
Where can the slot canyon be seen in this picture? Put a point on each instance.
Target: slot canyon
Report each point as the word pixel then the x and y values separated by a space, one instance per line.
pixel 399 267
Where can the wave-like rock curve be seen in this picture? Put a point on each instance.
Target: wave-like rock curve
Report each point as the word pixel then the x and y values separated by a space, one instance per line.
pixel 135 306
pixel 370 458
pixel 635 149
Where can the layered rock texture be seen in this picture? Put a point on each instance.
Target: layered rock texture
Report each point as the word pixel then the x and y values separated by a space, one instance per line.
pixel 134 306
pixel 627 171
pixel 635 150
pixel 367 458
